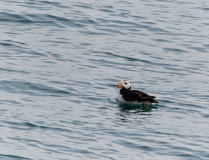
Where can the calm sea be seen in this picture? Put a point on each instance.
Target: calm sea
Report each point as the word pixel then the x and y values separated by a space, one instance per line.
pixel 61 61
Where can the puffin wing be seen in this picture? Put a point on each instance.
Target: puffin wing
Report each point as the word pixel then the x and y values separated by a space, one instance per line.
pixel 135 95
pixel 131 96
pixel 144 94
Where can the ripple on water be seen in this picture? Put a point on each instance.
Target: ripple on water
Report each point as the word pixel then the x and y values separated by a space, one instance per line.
pixel 61 63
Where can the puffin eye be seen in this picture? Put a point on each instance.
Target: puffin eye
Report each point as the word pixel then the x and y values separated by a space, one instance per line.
pixel 125 83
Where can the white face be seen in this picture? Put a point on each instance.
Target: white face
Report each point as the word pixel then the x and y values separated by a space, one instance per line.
pixel 126 84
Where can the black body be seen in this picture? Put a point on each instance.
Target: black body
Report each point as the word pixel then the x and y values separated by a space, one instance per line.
pixel 135 95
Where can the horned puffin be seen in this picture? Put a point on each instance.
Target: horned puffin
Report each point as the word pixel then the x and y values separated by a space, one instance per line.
pixel 133 96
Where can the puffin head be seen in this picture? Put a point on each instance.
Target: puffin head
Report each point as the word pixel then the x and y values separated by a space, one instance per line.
pixel 124 84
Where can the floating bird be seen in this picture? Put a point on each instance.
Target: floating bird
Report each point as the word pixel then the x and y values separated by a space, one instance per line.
pixel 133 96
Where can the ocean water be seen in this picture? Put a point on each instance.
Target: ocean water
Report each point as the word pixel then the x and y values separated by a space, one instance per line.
pixel 61 61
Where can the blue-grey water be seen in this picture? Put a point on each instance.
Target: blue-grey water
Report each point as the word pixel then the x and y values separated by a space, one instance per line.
pixel 61 61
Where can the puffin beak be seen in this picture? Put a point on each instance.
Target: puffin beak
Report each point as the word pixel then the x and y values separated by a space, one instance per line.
pixel 120 85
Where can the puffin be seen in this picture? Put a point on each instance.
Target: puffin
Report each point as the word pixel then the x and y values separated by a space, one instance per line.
pixel 133 96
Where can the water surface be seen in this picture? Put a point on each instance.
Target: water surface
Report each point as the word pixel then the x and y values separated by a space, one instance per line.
pixel 62 60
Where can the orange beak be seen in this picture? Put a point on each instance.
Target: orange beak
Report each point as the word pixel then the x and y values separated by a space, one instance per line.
pixel 120 85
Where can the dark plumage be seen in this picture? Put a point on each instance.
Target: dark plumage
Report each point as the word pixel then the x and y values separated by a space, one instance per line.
pixel 135 95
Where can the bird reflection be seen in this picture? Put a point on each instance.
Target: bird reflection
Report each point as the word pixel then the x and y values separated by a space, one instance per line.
pixel 126 109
